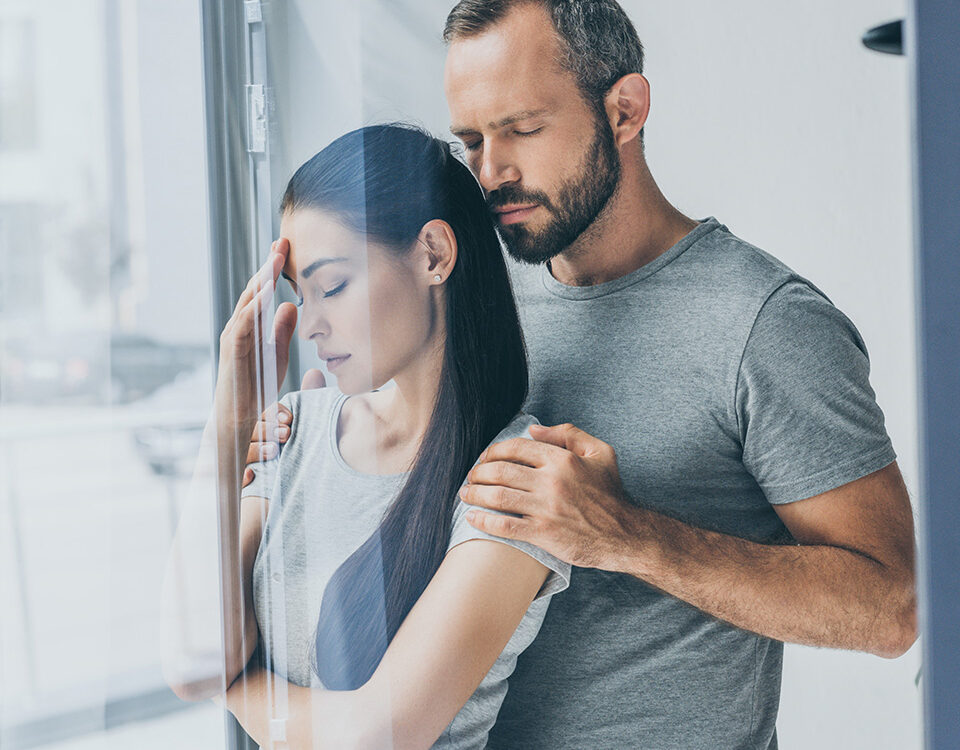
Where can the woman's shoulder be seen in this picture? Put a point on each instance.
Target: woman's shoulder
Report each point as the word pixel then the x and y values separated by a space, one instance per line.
pixel 516 427
pixel 310 400
pixel 311 409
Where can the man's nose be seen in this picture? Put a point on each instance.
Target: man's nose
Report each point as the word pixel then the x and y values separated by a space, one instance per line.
pixel 496 169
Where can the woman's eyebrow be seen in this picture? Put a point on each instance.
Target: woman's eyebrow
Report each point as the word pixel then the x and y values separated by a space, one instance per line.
pixel 305 273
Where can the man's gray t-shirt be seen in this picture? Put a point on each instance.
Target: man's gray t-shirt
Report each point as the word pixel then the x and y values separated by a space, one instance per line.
pixel 727 384
pixel 321 510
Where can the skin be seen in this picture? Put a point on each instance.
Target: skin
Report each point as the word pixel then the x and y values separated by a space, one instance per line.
pixel 388 318
pixel 850 583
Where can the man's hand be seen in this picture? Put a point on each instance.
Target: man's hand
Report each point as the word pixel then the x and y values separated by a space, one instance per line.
pixel 848 584
pixel 273 429
pixel 565 487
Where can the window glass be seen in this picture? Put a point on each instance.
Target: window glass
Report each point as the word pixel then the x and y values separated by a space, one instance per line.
pixel 105 363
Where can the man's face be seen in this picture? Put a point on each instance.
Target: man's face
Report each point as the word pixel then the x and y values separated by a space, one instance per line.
pixel 546 162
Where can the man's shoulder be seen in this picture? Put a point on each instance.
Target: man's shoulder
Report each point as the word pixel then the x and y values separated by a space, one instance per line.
pixel 729 266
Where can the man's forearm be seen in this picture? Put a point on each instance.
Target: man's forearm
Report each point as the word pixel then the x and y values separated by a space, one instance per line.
pixel 815 595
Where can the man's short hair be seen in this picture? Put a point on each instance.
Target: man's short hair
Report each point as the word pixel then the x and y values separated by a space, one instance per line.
pixel 599 44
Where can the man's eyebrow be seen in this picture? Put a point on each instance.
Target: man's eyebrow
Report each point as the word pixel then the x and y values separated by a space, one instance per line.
pixel 515 117
pixel 305 273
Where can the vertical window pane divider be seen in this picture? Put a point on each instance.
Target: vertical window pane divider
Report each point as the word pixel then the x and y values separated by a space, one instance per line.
pixel 238 172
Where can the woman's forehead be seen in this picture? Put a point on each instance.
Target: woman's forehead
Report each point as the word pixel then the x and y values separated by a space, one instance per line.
pixel 318 239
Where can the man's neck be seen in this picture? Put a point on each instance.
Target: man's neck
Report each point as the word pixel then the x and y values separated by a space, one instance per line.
pixel 637 226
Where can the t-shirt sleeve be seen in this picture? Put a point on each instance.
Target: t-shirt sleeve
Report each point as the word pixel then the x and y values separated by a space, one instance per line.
pixel 265 472
pixel 462 531
pixel 809 421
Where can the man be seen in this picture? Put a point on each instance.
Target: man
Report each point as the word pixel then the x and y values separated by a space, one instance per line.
pixel 728 484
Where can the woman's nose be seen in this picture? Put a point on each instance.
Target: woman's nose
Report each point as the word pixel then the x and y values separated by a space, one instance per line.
pixel 312 323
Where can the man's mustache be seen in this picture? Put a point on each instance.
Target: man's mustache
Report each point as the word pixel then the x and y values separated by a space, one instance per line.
pixel 512 195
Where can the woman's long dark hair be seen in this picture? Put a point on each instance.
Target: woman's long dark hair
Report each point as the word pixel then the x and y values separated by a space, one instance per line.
pixel 387 181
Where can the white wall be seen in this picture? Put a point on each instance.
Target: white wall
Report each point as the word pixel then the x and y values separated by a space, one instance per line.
pixel 768 115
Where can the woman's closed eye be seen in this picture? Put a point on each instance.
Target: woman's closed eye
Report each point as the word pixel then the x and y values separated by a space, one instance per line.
pixel 321 293
pixel 336 290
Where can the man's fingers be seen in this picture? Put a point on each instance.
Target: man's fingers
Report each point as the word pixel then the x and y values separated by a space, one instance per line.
pixel 313 378
pixel 270 431
pixel 567 436
pixel 508 527
pixel 274 415
pixel 261 451
pixel 504 474
pixel 521 451
pixel 497 498
pixel 247 477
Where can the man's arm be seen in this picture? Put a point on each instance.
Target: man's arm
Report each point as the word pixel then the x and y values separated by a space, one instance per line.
pixel 849 584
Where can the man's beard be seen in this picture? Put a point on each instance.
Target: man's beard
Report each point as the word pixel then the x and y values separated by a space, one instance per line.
pixel 578 204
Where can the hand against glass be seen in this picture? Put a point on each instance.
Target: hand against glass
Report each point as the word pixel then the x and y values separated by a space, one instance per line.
pixel 247 353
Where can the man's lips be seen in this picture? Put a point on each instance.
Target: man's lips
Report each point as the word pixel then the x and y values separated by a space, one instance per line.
pixel 515 213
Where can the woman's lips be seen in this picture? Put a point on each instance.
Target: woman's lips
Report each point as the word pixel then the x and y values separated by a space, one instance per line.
pixel 514 215
pixel 334 362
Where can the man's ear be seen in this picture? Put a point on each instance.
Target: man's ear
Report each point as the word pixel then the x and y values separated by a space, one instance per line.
pixel 438 244
pixel 627 104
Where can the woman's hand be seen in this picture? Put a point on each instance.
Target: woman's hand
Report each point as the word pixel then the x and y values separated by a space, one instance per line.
pixel 247 356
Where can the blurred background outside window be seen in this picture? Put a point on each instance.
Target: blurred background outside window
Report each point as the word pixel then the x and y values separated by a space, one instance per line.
pixel 105 362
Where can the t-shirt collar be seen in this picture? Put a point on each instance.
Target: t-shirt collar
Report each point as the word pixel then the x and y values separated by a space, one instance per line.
pixel 645 271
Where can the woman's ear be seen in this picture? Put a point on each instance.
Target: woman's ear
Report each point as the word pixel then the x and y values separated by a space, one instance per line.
pixel 438 245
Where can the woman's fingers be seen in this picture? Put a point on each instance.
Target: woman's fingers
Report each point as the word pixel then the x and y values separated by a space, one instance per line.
pixel 252 287
pixel 284 324
pixel 313 378
pixel 270 270
pixel 253 311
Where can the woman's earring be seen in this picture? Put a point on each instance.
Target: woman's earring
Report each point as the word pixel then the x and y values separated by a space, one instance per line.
pixel 438 277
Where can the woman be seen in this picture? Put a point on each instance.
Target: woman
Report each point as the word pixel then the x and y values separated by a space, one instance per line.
pixel 387 620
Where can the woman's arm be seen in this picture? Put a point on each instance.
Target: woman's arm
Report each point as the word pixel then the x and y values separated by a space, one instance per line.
pixel 210 629
pixel 442 651
pixel 208 634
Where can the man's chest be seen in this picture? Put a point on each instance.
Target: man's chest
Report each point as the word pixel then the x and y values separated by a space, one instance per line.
pixel 664 401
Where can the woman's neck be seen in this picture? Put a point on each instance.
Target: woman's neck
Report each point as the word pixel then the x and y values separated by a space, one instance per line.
pixel 384 429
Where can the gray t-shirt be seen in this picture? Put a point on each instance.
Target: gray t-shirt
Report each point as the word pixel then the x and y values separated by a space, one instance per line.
pixel 726 384
pixel 321 511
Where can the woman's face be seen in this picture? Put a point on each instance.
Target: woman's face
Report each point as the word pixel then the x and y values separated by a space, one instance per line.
pixel 368 310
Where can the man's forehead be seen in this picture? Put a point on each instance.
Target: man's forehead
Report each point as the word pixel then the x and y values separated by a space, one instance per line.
pixel 522 46
pixel 506 73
